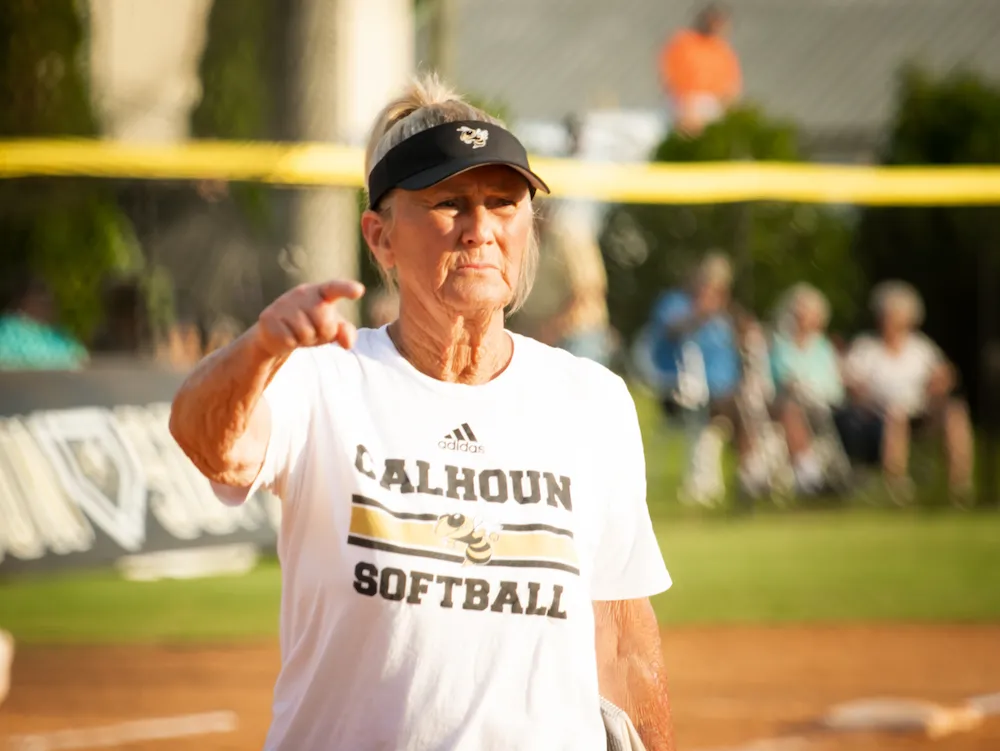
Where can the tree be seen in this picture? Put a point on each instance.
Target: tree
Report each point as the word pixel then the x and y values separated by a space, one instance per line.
pixel 241 101
pixel 950 255
pixel 213 245
pixel 68 231
pixel 649 248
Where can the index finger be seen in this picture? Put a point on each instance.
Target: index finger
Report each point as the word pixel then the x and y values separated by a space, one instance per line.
pixel 335 290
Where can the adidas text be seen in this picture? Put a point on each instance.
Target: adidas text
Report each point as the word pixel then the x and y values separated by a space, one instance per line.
pixel 462 439
pixel 464 446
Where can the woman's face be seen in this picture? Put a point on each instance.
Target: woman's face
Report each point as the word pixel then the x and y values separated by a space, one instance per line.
pixel 897 319
pixel 457 245
pixel 808 317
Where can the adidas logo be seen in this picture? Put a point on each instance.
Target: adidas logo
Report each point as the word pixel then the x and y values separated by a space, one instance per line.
pixel 462 439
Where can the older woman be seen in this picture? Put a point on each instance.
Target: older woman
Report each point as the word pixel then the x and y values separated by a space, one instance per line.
pixel 806 371
pixel 466 550
pixel 901 380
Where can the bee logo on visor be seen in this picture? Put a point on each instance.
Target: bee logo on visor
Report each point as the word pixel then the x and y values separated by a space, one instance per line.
pixel 475 137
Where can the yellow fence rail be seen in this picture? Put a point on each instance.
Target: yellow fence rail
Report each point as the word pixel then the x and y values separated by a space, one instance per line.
pixel 311 164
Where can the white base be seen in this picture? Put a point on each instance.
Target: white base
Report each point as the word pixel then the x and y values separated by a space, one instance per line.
pixel 903 715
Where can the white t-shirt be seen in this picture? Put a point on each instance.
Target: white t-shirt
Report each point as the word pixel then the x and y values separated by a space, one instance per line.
pixel 896 379
pixel 441 545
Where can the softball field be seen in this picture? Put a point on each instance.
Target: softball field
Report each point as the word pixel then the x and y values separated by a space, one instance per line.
pixel 734 688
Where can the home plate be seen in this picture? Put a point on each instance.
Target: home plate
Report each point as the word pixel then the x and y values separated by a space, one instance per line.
pixel 903 715
pixel 110 736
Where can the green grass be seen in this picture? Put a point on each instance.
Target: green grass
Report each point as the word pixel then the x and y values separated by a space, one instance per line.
pixel 861 566
pixel 666 460
pixel 852 564
pixel 825 567
pixel 99 607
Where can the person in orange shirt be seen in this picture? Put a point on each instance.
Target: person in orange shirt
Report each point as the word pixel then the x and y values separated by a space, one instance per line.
pixel 700 72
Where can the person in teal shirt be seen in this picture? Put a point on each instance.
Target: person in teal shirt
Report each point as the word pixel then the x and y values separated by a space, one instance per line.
pixel 807 376
pixel 28 338
pixel 802 357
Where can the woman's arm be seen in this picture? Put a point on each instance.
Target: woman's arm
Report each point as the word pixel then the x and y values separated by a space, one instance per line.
pixel 630 668
pixel 942 377
pixel 218 417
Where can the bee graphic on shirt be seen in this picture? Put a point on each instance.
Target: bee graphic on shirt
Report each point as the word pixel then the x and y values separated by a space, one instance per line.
pixel 474 533
pixel 475 137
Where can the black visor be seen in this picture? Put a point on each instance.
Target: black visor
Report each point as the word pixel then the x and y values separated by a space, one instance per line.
pixel 435 154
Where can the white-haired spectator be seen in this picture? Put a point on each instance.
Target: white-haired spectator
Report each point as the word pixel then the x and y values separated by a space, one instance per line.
pixel 803 356
pixel 901 381
pixel 807 376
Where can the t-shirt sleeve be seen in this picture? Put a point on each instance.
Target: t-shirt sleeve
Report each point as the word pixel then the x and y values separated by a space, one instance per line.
pixel 288 398
pixel 931 355
pixel 628 563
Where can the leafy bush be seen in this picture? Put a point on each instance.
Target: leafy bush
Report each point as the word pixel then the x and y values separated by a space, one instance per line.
pixel 954 119
pixel 240 98
pixel 649 248
pixel 69 232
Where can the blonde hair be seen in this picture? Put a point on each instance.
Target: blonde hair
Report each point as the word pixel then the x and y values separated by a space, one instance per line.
pixel 714 269
pixel 425 103
pixel 897 293
pixel 797 295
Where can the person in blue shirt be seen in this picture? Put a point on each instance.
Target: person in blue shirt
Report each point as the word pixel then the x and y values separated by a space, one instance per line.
pixel 700 316
pixel 694 349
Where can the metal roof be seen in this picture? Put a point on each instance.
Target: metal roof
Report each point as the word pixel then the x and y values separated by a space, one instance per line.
pixel 827 64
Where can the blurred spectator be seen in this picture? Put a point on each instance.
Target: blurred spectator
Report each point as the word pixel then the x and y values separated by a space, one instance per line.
pixel 383 307
pixel 29 337
pixel 212 191
pixel 699 314
pixel 126 328
pixel 810 390
pixel 901 382
pixel 695 348
pixel 182 348
pixel 573 272
pixel 700 72
pixel 803 358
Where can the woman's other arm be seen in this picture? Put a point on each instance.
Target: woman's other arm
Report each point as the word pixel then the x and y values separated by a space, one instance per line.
pixel 630 668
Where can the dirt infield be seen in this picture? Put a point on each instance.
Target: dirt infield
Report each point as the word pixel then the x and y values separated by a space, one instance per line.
pixel 730 686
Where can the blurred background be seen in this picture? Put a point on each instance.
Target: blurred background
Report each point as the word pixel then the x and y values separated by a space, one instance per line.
pixel 818 380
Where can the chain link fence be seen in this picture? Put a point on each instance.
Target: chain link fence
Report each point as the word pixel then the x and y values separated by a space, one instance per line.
pixel 172 269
